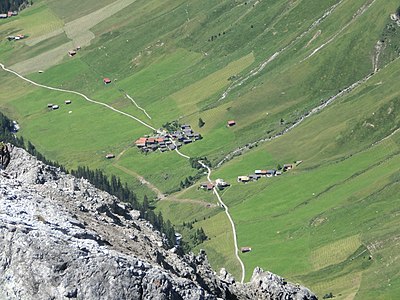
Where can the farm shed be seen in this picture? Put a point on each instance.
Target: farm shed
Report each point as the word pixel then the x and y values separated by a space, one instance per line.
pixel 243 179
pixel 245 249
pixel 261 172
pixel 107 80
pixel 254 177
pixel 271 173
pixel 287 167
pixel 231 123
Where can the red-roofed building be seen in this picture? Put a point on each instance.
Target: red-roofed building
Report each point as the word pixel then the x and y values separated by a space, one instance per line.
pixel 9 14
pixel 107 80
pixel 151 140
pixel 141 142
pixel 159 140
pixel 261 172
pixel 210 186
pixel 231 123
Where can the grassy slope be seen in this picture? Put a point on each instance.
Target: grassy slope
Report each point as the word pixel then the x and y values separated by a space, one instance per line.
pixel 175 70
pixel 341 190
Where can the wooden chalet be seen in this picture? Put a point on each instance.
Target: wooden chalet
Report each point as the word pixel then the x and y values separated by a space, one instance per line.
pixel 254 177
pixel 261 172
pixel 243 179
pixel 287 167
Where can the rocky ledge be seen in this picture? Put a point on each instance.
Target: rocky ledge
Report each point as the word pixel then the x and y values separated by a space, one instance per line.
pixel 61 238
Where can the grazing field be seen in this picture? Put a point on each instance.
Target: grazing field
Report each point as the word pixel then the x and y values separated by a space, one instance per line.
pixel 31 22
pixel 330 223
pixel 335 252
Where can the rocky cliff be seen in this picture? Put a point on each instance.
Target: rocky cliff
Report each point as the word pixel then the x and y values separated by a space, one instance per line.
pixel 62 238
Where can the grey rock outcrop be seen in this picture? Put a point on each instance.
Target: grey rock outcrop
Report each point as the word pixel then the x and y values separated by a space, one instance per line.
pixel 61 238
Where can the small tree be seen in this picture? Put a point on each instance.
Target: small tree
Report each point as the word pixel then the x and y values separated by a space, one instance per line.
pixel 201 122
pixel 328 296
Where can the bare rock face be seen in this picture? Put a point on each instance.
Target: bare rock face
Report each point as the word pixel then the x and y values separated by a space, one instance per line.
pixel 61 238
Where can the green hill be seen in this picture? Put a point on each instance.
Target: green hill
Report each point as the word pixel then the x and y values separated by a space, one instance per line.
pixel 327 70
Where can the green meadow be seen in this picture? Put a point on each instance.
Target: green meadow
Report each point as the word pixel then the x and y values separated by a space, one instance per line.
pixel 331 222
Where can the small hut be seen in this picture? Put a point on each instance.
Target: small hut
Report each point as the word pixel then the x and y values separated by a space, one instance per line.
pixel 245 249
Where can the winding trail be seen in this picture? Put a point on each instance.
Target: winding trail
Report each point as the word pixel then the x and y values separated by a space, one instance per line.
pixel 148 126
pixel 79 94
pixel 230 220
pixel 223 205
pixel 134 102
pixel 142 180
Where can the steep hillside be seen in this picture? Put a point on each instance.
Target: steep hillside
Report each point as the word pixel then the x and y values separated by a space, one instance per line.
pixel 310 81
pixel 261 63
pixel 62 238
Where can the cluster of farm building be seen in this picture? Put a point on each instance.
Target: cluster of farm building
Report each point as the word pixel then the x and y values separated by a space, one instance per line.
pixel 56 106
pixel 168 141
pixel 16 37
pixel 265 173
pixel 73 51
pixel 219 184
pixel 9 14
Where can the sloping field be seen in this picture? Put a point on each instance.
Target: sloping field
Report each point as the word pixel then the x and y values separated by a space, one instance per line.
pixel 77 30
pixel 302 82
pixel 335 252
pixel 31 22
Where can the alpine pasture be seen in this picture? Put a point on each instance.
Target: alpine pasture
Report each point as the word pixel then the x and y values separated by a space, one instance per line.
pixel 330 223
